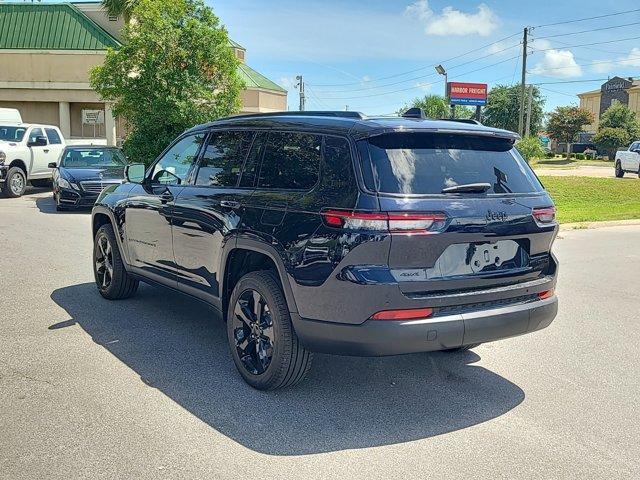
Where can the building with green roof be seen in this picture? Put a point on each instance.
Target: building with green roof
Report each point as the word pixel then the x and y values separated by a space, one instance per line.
pixel 48 49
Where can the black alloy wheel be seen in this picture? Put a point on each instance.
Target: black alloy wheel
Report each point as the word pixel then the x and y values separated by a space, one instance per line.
pixel 263 343
pixel 619 171
pixel 104 262
pixel 253 332
pixel 112 279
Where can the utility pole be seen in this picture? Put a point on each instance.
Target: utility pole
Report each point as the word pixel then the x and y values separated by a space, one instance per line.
pixel 300 86
pixel 524 80
pixel 527 129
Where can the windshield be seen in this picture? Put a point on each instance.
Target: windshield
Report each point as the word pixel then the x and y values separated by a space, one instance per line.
pixel 12 134
pixel 92 158
pixel 427 163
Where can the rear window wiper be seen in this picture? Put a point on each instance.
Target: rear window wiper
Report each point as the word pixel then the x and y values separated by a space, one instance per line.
pixel 468 188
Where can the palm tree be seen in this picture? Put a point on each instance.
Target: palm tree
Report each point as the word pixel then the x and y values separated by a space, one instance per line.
pixel 122 8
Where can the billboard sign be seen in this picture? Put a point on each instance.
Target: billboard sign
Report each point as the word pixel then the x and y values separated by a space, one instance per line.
pixel 467 93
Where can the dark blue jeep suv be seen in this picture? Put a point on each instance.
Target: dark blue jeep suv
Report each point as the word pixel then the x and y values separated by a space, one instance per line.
pixel 339 233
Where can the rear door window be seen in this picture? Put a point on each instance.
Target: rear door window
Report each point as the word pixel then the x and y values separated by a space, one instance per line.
pixel 223 158
pixel 291 161
pixel 426 163
pixel 54 137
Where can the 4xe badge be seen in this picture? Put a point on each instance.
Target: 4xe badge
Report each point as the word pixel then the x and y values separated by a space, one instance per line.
pixel 496 216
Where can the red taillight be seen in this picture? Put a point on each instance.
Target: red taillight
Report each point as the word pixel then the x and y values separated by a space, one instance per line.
pixel 411 314
pixel 544 215
pixel 394 222
pixel 546 294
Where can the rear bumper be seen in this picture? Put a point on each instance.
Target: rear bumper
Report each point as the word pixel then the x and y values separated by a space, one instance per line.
pixel 379 338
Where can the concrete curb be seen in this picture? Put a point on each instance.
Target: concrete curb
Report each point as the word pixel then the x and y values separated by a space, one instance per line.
pixel 604 224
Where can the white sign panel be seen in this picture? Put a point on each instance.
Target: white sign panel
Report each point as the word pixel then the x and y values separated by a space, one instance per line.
pixel 93 117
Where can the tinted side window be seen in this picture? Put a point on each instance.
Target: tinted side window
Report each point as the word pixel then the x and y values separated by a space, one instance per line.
pixel 54 138
pixel 36 132
pixel 339 168
pixel 173 167
pixel 223 158
pixel 291 161
pixel 252 165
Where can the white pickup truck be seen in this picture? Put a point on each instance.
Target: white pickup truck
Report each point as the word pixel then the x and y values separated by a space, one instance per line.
pixel 628 160
pixel 25 152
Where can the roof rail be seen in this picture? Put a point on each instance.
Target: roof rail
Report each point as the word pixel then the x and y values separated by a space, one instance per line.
pixel 470 121
pixel 307 113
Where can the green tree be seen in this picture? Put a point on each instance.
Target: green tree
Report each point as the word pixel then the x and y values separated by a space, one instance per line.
pixel 174 70
pixel 566 122
pixel 120 8
pixel 503 108
pixel 619 115
pixel 530 147
pixel 436 106
pixel 610 139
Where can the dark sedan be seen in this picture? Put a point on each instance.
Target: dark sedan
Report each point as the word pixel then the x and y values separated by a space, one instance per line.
pixel 83 172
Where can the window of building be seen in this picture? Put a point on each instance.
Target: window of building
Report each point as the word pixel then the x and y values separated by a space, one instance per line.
pixel 291 161
pixel 223 158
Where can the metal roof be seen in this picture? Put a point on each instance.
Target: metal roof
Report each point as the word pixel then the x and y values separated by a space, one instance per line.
pixel 253 79
pixel 59 26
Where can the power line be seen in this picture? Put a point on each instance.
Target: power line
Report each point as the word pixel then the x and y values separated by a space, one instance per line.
pixel 585 44
pixel 415 87
pixel 417 69
pixel 587 18
pixel 591 30
pixel 596 62
pixel 572 81
pixel 421 77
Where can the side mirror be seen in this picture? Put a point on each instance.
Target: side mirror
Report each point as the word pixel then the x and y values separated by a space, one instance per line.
pixel 134 172
pixel 53 165
pixel 39 141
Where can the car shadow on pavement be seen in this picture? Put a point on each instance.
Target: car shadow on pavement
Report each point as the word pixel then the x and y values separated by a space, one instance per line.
pixel 178 346
pixel 47 205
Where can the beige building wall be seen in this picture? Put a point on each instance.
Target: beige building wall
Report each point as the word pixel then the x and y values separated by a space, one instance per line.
pixel 591 102
pixel 36 112
pixel 48 66
pixel 95 12
pixel 254 101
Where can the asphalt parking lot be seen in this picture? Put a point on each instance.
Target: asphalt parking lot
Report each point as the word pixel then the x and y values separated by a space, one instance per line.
pixel 145 388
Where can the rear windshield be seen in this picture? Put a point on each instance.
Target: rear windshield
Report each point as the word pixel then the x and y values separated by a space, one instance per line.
pixel 426 163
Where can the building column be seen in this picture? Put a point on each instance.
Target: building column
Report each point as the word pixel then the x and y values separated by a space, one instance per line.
pixel 65 119
pixel 110 125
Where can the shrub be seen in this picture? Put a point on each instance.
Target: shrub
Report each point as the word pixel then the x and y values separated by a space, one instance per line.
pixel 550 155
pixel 580 156
pixel 609 139
pixel 530 147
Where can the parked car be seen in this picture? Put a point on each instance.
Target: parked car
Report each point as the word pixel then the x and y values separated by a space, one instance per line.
pixel 628 161
pixel 83 172
pixel 333 232
pixel 25 153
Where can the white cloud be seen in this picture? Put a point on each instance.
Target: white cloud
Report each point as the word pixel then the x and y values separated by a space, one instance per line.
pixel 559 64
pixel 606 66
pixel 424 86
pixel 539 44
pixel 453 22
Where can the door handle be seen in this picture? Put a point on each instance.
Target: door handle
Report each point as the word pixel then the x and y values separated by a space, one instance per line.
pixel 166 197
pixel 229 204
pixel 46 150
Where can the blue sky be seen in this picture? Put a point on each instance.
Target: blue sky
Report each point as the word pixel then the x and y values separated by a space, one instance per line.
pixel 358 53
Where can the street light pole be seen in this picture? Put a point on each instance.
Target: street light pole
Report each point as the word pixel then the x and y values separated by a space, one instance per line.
pixel 441 71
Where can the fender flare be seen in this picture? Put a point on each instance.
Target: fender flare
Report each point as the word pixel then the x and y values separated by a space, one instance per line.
pixel 99 209
pixel 243 243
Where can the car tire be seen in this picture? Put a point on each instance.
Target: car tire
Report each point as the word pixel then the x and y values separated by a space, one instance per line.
pixel 264 346
pixel 619 171
pixel 112 280
pixel 42 183
pixel 463 348
pixel 15 183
